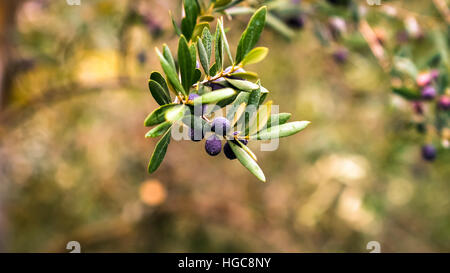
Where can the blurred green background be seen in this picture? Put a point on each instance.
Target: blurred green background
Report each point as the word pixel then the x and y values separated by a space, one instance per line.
pixel 73 157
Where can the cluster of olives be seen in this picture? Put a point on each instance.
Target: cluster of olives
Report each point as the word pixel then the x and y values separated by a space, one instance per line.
pixel 221 128
pixel 427 82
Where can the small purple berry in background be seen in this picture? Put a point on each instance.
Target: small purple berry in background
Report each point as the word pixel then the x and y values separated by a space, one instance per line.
pixel 428 152
pixel 434 74
pixel 428 92
pixel 418 107
pixel 221 126
pixel 340 55
pixel 213 145
pixel 228 151
pixel 142 57
pixel 402 37
pixel 296 21
pixel 444 103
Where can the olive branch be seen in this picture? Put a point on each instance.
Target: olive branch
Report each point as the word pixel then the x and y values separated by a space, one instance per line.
pixel 248 117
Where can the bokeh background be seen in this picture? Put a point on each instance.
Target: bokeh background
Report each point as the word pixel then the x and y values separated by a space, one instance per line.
pixel 73 157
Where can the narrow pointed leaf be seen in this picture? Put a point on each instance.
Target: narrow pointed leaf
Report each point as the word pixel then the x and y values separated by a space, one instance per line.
pixel 159 130
pixel 197 76
pixel 251 34
pixel 218 49
pixel 213 97
pixel 247 161
pixel 278 119
pixel 160 152
pixel 175 25
pixel 247 150
pixel 207 42
pixel 225 41
pixel 213 70
pixel 238 113
pixel 198 30
pixel 255 55
pixel 158 93
pixel 407 93
pixel 156 76
pixel 175 113
pixel 253 102
pixel 232 110
pixel 242 85
pixel 262 116
pixel 203 56
pixel 262 98
pixel 191 10
pixel 171 74
pixel 249 76
pixel 280 131
pixel 187 65
pixel 158 115
pixel 169 57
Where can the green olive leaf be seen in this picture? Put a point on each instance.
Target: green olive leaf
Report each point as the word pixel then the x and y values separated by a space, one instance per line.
pixel 280 131
pixel 225 41
pixel 213 70
pixel 169 57
pixel 262 116
pixel 158 93
pixel 253 102
pixel 249 76
pixel 160 152
pixel 207 42
pixel 247 161
pixel 262 98
pixel 171 73
pixel 251 34
pixel 256 55
pixel 175 113
pixel 237 108
pixel 186 63
pixel 197 76
pixel 278 119
pixel 218 49
pixel 213 97
pixel 156 76
pixel 198 30
pixel 203 56
pixel 242 85
pixel 158 115
pixel 407 93
pixel 159 130
pixel 191 10
pixel 175 25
